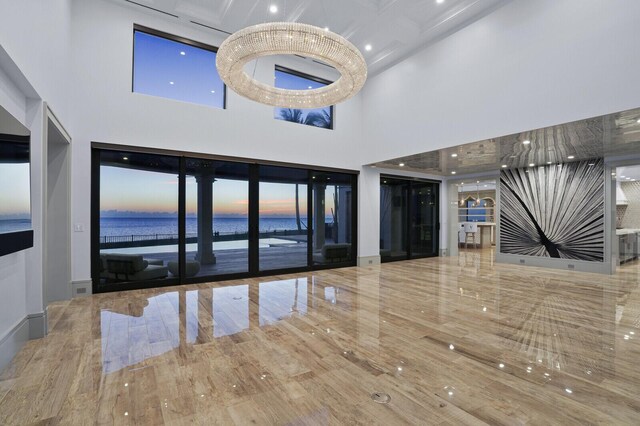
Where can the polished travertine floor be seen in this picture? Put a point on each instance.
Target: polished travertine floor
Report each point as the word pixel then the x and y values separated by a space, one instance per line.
pixel 452 341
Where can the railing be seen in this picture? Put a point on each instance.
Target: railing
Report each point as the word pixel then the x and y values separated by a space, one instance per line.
pixel 475 214
pixel 146 240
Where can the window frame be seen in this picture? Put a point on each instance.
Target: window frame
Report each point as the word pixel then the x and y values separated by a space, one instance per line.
pixel 320 80
pixel 178 39
pixel 254 199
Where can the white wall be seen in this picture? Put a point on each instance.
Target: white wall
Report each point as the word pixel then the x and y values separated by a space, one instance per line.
pixel 34 61
pixel 530 64
pixel 35 34
pixel 105 110
pixel 13 267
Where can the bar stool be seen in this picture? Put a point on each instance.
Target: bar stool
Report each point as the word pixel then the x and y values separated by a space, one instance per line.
pixel 470 230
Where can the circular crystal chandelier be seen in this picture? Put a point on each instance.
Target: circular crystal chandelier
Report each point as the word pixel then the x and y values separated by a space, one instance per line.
pixel 278 38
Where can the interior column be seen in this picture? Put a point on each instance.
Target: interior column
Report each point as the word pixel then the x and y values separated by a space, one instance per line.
pixel 205 220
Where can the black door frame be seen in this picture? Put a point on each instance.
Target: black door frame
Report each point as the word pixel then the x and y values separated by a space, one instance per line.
pixel 253 219
pixel 410 182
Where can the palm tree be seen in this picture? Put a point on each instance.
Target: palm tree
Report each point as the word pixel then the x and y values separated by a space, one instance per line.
pixel 318 119
pixel 314 118
pixel 292 114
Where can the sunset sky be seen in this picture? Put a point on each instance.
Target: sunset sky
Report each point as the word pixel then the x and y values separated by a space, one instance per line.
pixel 132 190
pixel 14 197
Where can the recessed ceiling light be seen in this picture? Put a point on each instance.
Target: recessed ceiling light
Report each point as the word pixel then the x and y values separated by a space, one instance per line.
pixel 622 176
pixel 638 121
pixel 527 142
pixel 125 158
pixel 477 181
pixel 213 91
pixel 504 166
pixel 628 178
pixel 183 53
pixel 571 157
pixel 532 165
pixel 326 28
pixel 549 162
pixel 309 87
pixel 592 164
pixel 171 83
pixel 273 8
pixel 633 180
pixel 439 1
pixel 454 155
pixel 486 186
pixel 401 164
pixel 368 47
pixel 453 173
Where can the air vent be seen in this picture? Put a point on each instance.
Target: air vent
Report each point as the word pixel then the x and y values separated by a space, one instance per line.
pixel 381 397
pixel 152 8
pixel 210 27
pixel 322 63
pixel 571 266
pixel 522 261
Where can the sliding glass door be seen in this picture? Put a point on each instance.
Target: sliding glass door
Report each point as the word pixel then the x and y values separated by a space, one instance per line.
pixel 394 210
pixel 284 223
pixel 423 220
pixel 409 220
pixel 137 219
pixel 332 204
pixel 161 219
pixel 217 218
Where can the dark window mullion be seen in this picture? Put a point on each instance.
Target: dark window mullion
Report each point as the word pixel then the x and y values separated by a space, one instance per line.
pixel 95 219
pixel 254 218
pixel 310 219
pixel 407 228
pixel 182 219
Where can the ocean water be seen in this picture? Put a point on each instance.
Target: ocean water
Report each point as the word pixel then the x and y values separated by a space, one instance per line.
pixel 14 225
pixel 122 226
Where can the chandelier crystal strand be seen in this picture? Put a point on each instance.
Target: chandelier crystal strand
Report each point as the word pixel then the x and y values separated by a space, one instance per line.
pixel 288 38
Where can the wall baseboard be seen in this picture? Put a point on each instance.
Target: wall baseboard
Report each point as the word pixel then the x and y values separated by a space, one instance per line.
pixel 33 326
pixel 547 262
pixel 81 288
pixel 37 325
pixel 368 260
pixel 11 344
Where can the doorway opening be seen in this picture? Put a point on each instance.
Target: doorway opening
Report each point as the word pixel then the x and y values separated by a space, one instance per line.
pixel 627 213
pixel 473 218
pixel 57 226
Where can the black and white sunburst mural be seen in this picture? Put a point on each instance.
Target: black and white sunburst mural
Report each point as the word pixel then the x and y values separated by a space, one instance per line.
pixel 553 211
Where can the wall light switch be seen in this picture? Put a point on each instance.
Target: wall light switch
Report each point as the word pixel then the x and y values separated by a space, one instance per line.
pixel 78 227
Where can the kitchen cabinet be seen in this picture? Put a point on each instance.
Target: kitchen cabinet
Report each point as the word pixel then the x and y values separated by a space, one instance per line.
pixel 627 245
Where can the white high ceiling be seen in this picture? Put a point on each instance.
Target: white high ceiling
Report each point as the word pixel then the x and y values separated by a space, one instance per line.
pixel 394 28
